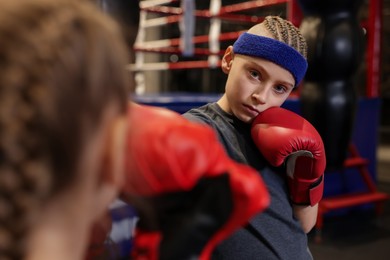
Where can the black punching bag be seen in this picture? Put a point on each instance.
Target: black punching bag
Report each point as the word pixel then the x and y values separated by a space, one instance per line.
pixel 335 50
pixel 126 13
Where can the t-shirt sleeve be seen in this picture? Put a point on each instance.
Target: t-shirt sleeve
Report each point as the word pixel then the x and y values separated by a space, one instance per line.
pixel 196 116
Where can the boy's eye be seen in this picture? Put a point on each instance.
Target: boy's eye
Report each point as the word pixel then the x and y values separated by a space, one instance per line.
pixel 254 74
pixel 280 89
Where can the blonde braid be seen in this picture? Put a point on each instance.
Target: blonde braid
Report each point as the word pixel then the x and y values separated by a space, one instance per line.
pixel 61 64
pixel 24 170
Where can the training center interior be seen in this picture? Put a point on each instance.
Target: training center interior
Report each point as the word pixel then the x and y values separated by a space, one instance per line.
pixel 177 66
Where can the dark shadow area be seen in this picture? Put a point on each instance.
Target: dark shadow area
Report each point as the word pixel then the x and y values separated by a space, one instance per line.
pixel 355 234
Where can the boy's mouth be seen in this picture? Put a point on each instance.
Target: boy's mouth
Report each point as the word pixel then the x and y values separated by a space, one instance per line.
pixel 252 110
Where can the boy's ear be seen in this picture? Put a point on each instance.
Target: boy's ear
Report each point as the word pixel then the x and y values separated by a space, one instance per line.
pixel 113 163
pixel 227 60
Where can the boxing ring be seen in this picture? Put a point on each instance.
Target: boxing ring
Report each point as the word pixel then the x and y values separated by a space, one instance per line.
pixel 364 139
pixel 362 151
pixel 191 50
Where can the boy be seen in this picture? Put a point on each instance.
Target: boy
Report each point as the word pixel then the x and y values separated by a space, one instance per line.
pixel 263 66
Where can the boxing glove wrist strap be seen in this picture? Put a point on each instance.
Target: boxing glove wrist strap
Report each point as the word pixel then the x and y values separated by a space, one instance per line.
pixel 306 192
pixel 305 183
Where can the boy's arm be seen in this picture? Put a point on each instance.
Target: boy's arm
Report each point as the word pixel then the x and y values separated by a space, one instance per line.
pixel 307 216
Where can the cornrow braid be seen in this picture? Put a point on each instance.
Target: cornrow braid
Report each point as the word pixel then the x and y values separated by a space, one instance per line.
pixel 284 31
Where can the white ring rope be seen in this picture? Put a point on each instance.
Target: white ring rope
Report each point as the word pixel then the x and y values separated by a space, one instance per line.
pixel 214 32
pixel 185 16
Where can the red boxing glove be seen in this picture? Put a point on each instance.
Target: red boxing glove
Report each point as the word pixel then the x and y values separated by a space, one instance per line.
pixel 188 193
pixel 283 136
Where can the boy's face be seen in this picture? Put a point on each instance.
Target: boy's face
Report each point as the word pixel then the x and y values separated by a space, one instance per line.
pixel 253 85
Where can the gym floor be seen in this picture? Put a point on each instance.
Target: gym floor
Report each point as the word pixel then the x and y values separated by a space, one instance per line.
pixel 358 234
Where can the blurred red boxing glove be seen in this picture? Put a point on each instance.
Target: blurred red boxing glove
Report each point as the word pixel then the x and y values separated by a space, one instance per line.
pixel 188 193
pixel 283 136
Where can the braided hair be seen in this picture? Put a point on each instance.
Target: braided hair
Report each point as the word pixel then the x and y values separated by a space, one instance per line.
pixel 284 31
pixel 61 63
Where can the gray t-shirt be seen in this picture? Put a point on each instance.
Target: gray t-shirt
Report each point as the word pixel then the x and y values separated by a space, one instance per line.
pixel 274 233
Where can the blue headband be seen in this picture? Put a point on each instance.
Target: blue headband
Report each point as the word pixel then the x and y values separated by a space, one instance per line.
pixel 272 50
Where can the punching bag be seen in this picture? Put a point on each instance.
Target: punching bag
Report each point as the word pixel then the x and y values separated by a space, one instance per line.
pixel 126 13
pixel 335 49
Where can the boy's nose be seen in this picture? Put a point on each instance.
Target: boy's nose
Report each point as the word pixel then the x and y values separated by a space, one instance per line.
pixel 260 96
